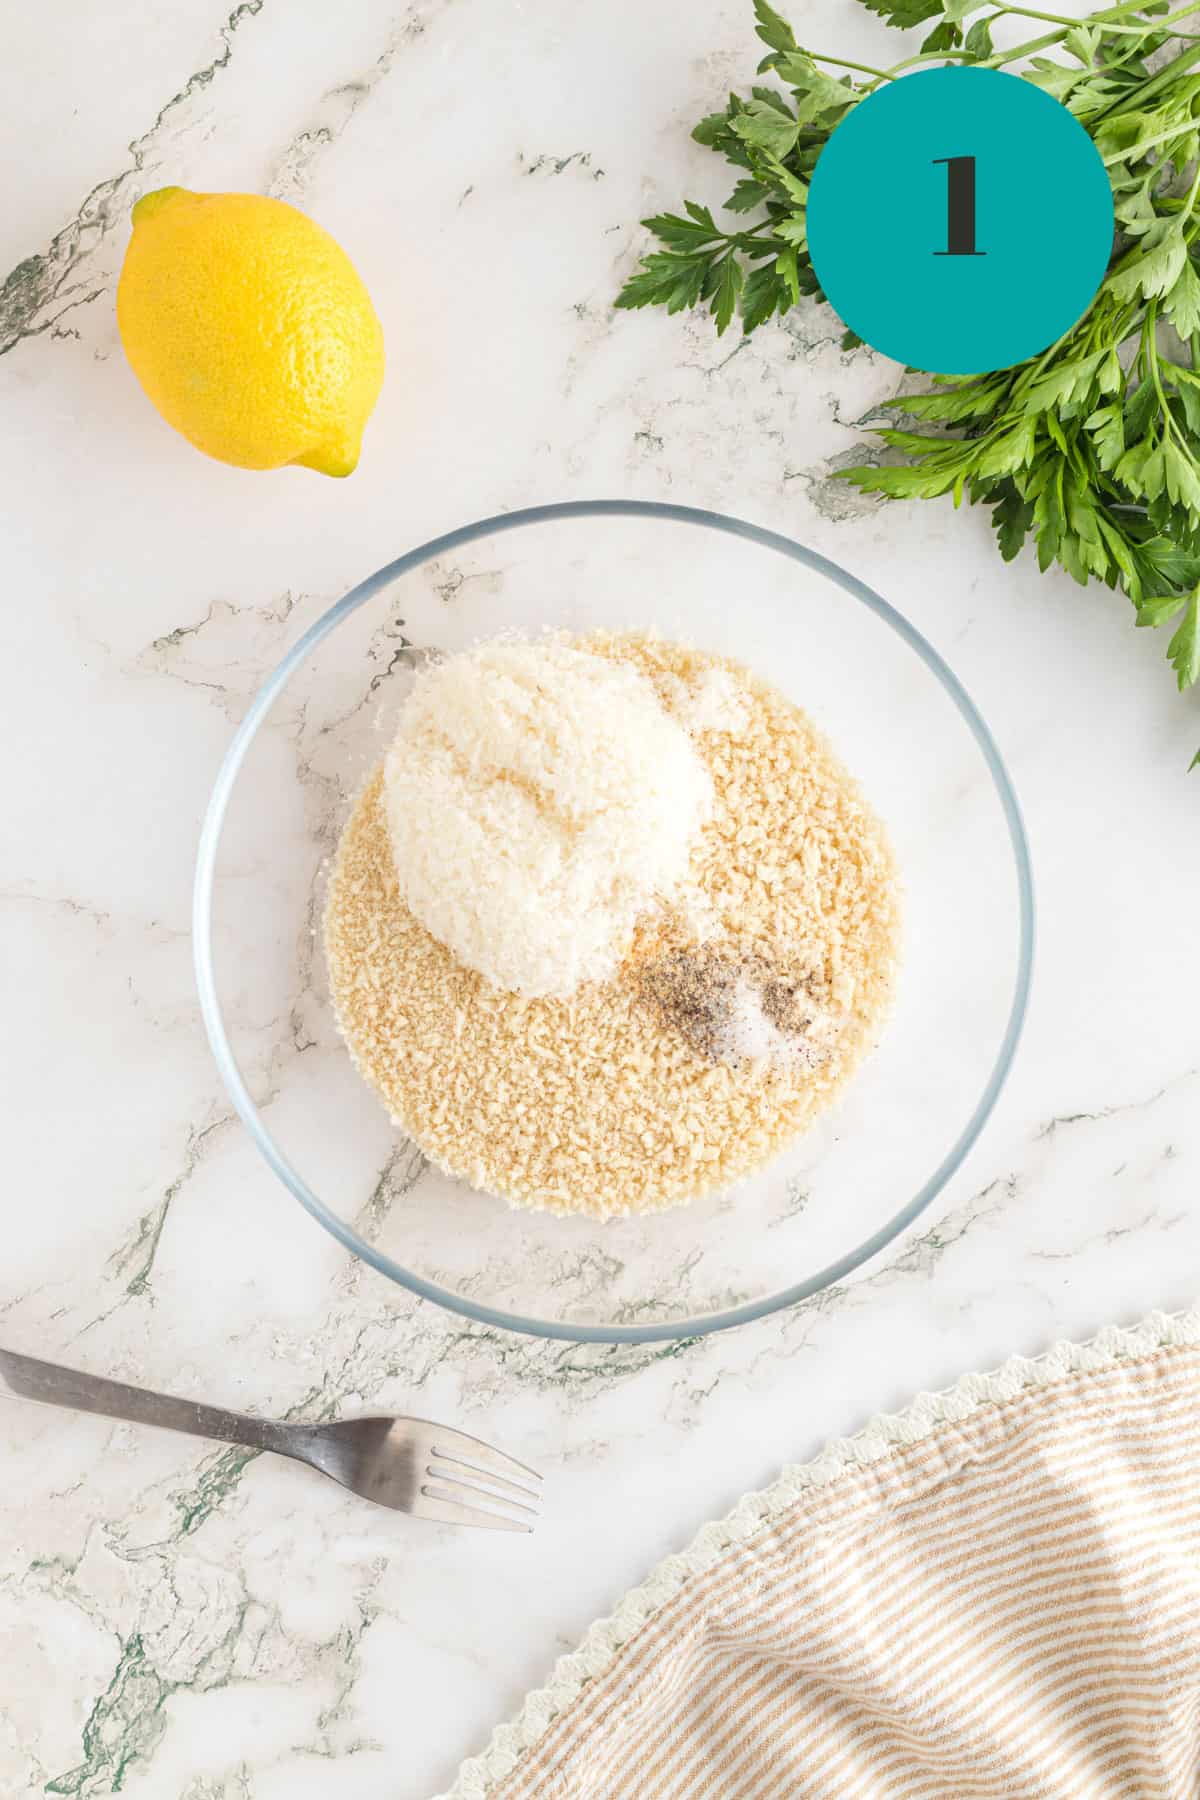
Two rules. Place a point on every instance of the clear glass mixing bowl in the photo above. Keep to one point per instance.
(900, 721)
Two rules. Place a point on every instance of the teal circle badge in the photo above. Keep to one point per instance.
(960, 220)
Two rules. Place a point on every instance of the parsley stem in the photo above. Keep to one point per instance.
(1172, 424)
(1190, 198)
(840, 62)
(1168, 417)
(1107, 21)
(1183, 126)
(924, 56)
(1166, 75)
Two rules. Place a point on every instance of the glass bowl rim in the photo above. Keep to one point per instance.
(203, 949)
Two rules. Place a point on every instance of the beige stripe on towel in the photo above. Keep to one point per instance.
(997, 1595)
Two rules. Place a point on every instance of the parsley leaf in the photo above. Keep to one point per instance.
(1183, 652)
(1012, 518)
(729, 286)
(682, 234)
(763, 294)
(764, 127)
(1158, 609)
(904, 14)
(978, 42)
(747, 196)
(1182, 304)
(774, 31)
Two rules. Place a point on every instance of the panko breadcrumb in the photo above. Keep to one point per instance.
(594, 1104)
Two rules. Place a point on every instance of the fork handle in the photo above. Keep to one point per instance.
(31, 1379)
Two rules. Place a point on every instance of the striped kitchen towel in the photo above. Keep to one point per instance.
(994, 1595)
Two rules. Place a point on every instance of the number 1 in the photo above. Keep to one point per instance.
(960, 206)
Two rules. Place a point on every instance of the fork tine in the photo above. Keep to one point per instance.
(439, 1504)
(453, 1468)
(476, 1454)
(453, 1483)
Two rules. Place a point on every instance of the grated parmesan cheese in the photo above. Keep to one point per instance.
(540, 800)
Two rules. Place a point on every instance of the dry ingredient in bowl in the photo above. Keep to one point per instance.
(737, 1014)
(539, 801)
(735, 1009)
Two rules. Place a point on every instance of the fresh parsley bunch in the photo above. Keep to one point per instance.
(1092, 447)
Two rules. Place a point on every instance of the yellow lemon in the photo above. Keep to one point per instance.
(250, 330)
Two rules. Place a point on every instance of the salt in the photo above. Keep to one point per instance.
(746, 1033)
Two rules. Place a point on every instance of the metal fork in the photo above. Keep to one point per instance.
(411, 1465)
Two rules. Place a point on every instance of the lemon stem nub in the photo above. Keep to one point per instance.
(152, 203)
(333, 459)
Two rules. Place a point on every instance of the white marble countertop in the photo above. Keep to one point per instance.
(176, 1622)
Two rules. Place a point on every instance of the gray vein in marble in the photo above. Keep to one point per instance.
(402, 657)
(1062, 1120)
(922, 1254)
(42, 289)
(708, 370)
(591, 1271)
(796, 1197)
(234, 1786)
(277, 612)
(135, 1260)
(292, 173)
(125, 1726)
(558, 165)
(176, 654)
(813, 327)
(838, 500)
(1151, 1220)
(217, 1480)
(448, 580)
(197, 1629)
(398, 1177)
(344, 1661)
(918, 1257)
